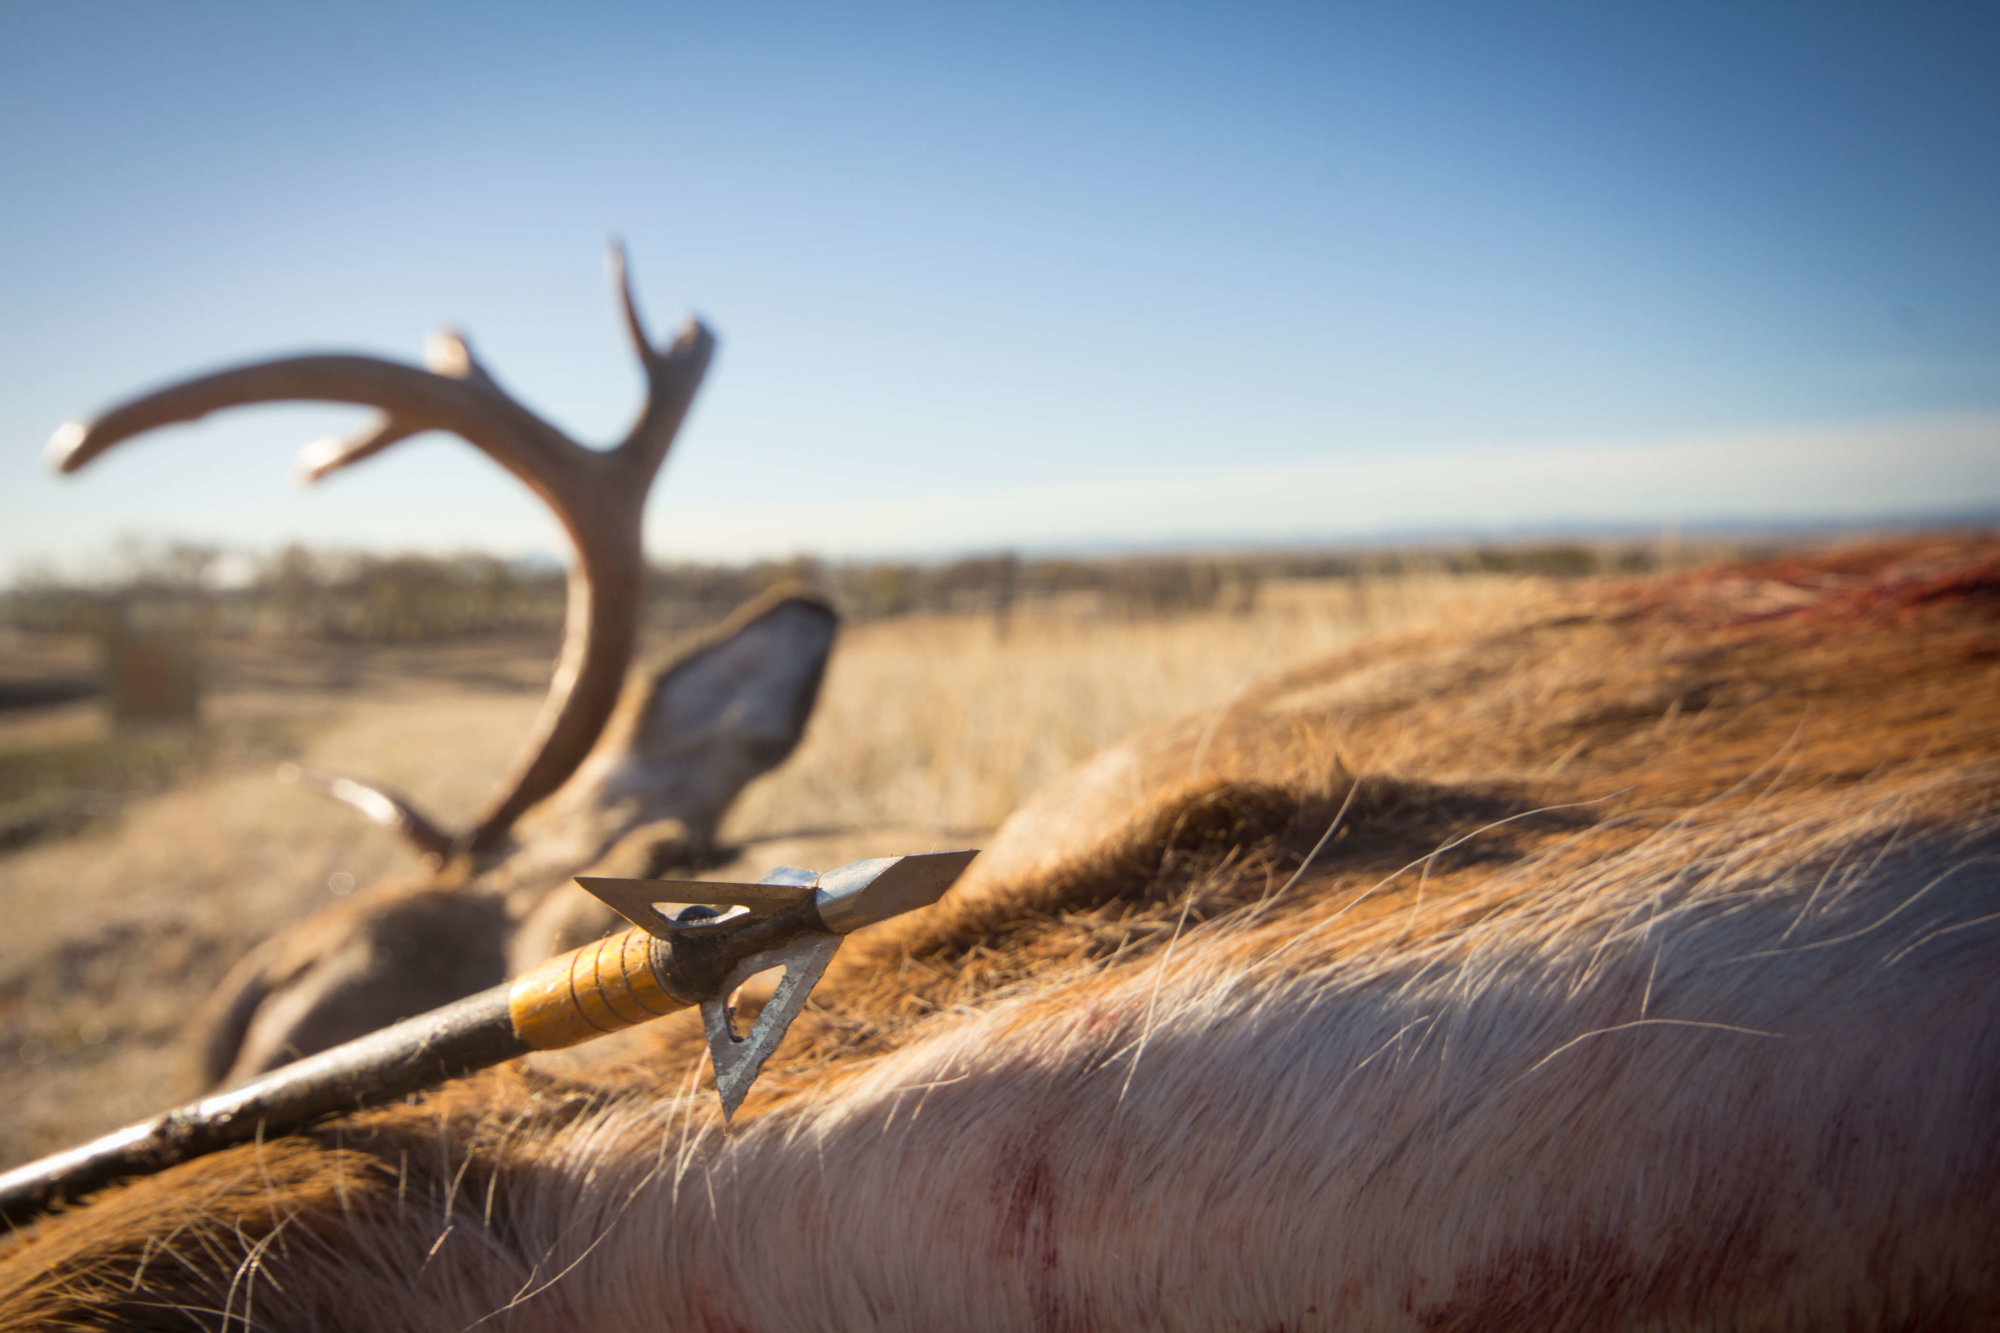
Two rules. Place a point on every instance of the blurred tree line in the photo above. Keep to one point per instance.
(297, 593)
(360, 598)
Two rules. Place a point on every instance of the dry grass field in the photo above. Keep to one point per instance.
(142, 865)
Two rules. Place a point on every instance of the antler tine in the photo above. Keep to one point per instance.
(320, 457)
(598, 497)
(635, 328)
(672, 376)
(380, 805)
(446, 353)
(607, 585)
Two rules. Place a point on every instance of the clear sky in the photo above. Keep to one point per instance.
(1016, 276)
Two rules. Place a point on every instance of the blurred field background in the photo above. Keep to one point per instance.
(139, 861)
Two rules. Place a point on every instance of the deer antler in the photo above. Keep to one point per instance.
(598, 495)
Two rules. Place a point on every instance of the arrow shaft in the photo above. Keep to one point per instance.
(417, 1053)
(617, 982)
(614, 983)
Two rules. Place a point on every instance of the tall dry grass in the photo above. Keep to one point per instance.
(950, 722)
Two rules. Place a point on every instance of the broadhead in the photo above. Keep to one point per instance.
(865, 892)
(845, 900)
(856, 895)
(640, 900)
(738, 1059)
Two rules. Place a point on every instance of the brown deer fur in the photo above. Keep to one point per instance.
(1647, 980)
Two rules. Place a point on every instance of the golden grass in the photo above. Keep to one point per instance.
(950, 722)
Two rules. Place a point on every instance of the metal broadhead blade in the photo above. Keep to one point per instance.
(737, 1059)
(636, 899)
(844, 900)
(865, 892)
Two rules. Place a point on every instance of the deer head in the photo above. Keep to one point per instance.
(622, 780)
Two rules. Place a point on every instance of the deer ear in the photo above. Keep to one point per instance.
(725, 711)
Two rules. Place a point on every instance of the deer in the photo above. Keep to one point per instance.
(617, 778)
(1618, 958)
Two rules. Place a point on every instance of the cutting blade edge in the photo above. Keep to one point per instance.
(635, 899)
(865, 892)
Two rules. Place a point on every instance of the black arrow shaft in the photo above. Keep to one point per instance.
(616, 982)
(417, 1053)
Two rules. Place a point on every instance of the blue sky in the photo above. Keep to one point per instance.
(1016, 276)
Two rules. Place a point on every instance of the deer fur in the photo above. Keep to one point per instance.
(1624, 962)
